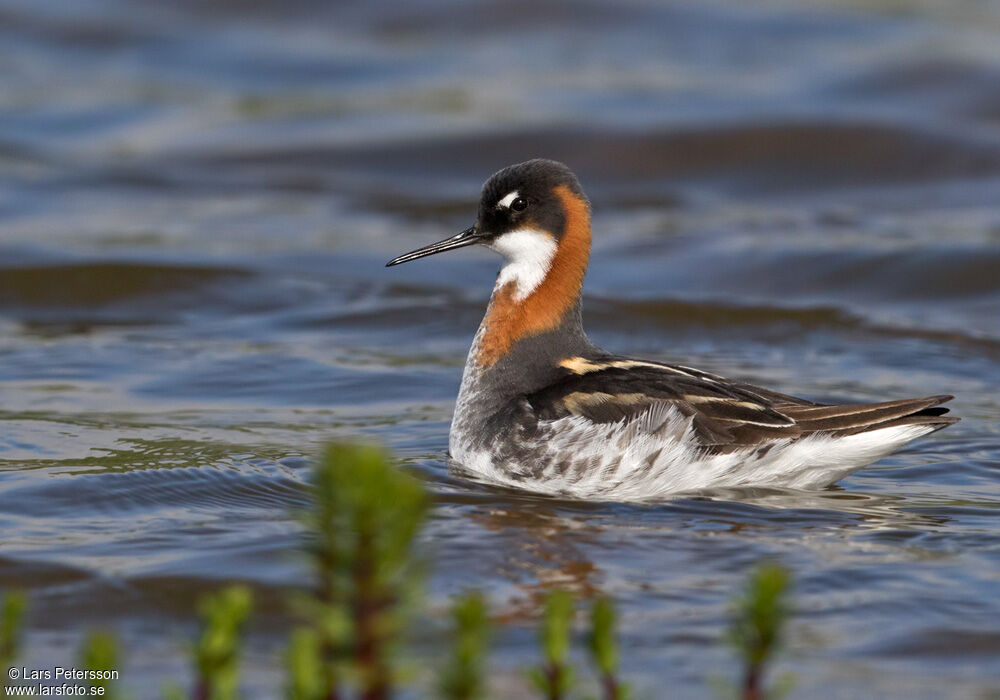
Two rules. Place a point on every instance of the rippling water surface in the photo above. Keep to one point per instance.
(196, 201)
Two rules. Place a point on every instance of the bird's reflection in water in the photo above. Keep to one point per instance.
(543, 543)
(539, 543)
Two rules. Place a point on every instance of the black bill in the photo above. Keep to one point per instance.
(466, 237)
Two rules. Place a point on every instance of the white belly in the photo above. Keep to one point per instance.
(624, 462)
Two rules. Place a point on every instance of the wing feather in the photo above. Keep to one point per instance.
(725, 415)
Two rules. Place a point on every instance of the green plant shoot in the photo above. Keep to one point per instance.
(757, 627)
(604, 648)
(100, 653)
(554, 678)
(361, 530)
(462, 678)
(11, 617)
(217, 651)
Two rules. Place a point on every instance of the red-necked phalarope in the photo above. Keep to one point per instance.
(543, 408)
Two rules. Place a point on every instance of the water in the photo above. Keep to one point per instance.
(196, 201)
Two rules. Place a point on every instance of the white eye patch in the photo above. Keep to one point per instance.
(505, 202)
(529, 255)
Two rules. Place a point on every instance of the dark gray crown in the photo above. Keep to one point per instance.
(535, 176)
(535, 181)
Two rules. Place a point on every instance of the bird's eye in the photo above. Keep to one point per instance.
(519, 204)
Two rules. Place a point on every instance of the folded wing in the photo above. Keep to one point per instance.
(725, 415)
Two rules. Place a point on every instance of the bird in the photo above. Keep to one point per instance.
(542, 408)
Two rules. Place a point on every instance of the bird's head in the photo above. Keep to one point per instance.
(526, 212)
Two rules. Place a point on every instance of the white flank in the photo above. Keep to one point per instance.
(505, 202)
(529, 256)
(655, 455)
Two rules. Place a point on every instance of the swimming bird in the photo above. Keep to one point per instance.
(543, 408)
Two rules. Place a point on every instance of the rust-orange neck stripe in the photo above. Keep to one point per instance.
(509, 320)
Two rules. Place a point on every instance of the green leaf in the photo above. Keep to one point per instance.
(11, 618)
(758, 619)
(305, 666)
(462, 678)
(218, 647)
(554, 678)
(100, 653)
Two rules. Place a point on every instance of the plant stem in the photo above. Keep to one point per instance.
(751, 683)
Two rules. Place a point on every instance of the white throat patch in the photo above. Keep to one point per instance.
(529, 255)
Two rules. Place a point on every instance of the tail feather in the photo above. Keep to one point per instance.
(933, 422)
(850, 419)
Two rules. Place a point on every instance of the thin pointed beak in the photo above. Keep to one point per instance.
(466, 237)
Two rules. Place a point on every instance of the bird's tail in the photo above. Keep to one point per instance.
(851, 419)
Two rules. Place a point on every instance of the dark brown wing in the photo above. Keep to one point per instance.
(725, 414)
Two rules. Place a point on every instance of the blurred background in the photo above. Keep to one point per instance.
(196, 203)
